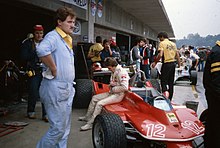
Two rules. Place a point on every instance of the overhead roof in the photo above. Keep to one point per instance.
(150, 12)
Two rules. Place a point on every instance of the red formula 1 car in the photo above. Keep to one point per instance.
(147, 117)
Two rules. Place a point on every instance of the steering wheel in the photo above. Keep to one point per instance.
(162, 103)
(159, 98)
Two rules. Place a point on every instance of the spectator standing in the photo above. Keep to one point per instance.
(202, 58)
(152, 51)
(135, 52)
(182, 51)
(211, 82)
(169, 54)
(34, 69)
(56, 88)
(118, 86)
(115, 51)
(145, 62)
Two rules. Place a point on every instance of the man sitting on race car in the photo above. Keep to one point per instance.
(119, 82)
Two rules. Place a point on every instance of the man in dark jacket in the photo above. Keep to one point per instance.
(211, 82)
(34, 72)
(145, 62)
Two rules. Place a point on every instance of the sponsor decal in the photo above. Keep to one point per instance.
(172, 117)
(93, 7)
(192, 126)
(77, 29)
(99, 7)
(123, 77)
(79, 3)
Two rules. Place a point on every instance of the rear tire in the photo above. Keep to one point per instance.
(109, 131)
(84, 92)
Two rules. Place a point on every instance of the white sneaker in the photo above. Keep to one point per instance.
(86, 127)
(83, 118)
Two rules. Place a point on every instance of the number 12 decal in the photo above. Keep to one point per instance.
(155, 130)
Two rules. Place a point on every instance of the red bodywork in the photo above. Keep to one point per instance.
(176, 128)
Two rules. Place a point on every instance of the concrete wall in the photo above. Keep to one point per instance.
(114, 18)
(104, 33)
(119, 20)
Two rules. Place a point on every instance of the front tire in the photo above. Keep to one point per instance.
(109, 131)
(203, 117)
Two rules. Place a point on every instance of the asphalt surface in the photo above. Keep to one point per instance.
(184, 92)
(30, 134)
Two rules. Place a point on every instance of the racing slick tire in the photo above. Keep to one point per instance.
(109, 131)
(193, 77)
(84, 92)
(156, 84)
(203, 117)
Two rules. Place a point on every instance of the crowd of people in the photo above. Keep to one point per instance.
(102, 49)
(141, 55)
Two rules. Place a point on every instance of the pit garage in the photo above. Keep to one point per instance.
(18, 20)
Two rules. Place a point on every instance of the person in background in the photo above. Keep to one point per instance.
(95, 50)
(118, 86)
(34, 70)
(182, 51)
(191, 49)
(194, 58)
(169, 54)
(115, 51)
(211, 82)
(56, 90)
(152, 51)
(202, 58)
(135, 52)
(145, 62)
(106, 52)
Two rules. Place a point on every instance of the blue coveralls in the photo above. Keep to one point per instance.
(57, 93)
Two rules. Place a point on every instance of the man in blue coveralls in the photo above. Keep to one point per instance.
(56, 90)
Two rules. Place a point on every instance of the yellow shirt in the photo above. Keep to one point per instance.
(95, 49)
(67, 38)
(169, 50)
